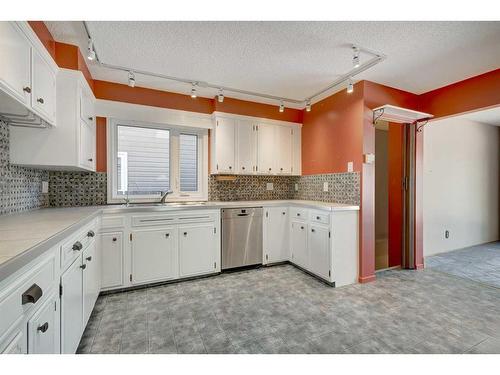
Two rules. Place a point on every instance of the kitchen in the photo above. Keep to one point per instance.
(174, 215)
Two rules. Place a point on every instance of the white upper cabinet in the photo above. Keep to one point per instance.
(283, 136)
(69, 146)
(43, 97)
(296, 151)
(223, 160)
(15, 62)
(246, 146)
(266, 149)
(27, 75)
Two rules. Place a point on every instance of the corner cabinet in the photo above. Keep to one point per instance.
(69, 146)
(243, 145)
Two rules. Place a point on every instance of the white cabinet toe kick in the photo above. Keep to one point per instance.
(45, 306)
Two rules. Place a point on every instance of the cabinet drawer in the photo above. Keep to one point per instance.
(152, 220)
(113, 222)
(196, 217)
(26, 293)
(319, 217)
(298, 213)
(74, 246)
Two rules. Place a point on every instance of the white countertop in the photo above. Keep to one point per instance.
(25, 236)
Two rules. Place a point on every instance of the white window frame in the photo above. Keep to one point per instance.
(175, 131)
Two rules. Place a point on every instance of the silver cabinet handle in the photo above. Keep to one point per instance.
(43, 328)
(89, 258)
(27, 89)
(77, 246)
(40, 100)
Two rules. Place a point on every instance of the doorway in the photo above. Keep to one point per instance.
(381, 195)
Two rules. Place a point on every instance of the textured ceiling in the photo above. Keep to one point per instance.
(290, 59)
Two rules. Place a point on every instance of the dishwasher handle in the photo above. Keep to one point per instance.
(243, 214)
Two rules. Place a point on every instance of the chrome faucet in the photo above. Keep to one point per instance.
(164, 196)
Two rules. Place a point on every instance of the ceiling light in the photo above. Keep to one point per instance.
(131, 79)
(308, 106)
(220, 96)
(193, 91)
(90, 51)
(350, 86)
(355, 57)
(282, 106)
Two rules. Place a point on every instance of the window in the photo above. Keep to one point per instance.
(148, 160)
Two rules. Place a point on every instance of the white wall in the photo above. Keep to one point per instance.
(461, 184)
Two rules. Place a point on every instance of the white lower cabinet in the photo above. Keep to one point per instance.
(298, 241)
(319, 250)
(91, 279)
(154, 255)
(43, 328)
(275, 235)
(198, 252)
(112, 260)
(17, 345)
(72, 307)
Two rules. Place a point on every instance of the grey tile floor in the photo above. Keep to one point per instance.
(283, 310)
(480, 263)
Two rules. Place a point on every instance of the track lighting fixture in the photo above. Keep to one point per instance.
(220, 96)
(282, 107)
(90, 50)
(193, 91)
(350, 86)
(308, 106)
(355, 57)
(131, 79)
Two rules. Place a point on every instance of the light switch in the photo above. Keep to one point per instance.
(45, 187)
(350, 166)
(325, 186)
(296, 187)
(269, 186)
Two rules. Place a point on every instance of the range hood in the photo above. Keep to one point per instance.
(16, 114)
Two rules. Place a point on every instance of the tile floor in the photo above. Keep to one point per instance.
(480, 263)
(283, 310)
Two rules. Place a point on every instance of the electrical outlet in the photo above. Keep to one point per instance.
(350, 166)
(325, 186)
(446, 234)
(296, 187)
(45, 187)
(269, 186)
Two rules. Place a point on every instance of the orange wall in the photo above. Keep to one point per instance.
(45, 36)
(243, 107)
(332, 134)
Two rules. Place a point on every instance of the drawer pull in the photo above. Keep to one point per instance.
(77, 246)
(298, 214)
(89, 258)
(32, 295)
(83, 266)
(283, 213)
(43, 328)
(302, 228)
(27, 89)
(40, 100)
(91, 118)
(90, 233)
(318, 218)
(114, 239)
(167, 235)
(185, 233)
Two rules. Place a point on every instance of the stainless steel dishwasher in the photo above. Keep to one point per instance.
(241, 237)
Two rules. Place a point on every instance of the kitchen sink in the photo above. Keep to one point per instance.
(167, 204)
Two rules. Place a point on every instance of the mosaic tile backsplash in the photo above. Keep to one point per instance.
(20, 188)
(77, 189)
(342, 188)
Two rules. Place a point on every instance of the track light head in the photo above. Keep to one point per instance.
(193, 91)
(350, 86)
(220, 96)
(90, 51)
(308, 106)
(355, 57)
(282, 107)
(131, 79)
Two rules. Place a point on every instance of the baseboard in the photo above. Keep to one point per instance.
(367, 279)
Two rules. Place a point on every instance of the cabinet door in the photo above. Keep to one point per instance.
(111, 260)
(225, 145)
(275, 234)
(43, 329)
(283, 149)
(319, 251)
(86, 107)
(246, 147)
(298, 244)
(72, 307)
(296, 151)
(87, 146)
(91, 280)
(154, 255)
(18, 345)
(266, 149)
(197, 249)
(15, 62)
(43, 98)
